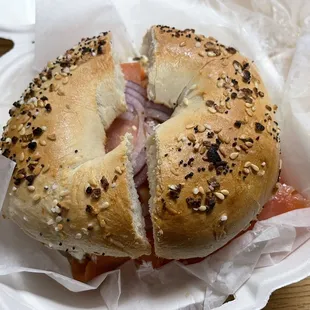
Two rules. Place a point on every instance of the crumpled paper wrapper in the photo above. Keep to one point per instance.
(264, 31)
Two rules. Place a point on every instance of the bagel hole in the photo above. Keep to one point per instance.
(140, 120)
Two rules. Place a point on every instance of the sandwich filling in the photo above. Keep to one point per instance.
(140, 120)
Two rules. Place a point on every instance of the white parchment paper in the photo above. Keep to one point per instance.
(267, 31)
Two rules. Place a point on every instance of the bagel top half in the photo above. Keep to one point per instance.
(66, 191)
(214, 164)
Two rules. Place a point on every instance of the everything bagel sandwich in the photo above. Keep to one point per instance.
(178, 149)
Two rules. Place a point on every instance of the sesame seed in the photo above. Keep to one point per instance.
(263, 164)
(182, 44)
(190, 126)
(105, 205)
(201, 190)
(134, 128)
(201, 128)
(246, 170)
(249, 112)
(195, 190)
(191, 137)
(59, 227)
(201, 54)
(84, 230)
(172, 187)
(211, 54)
(36, 197)
(31, 188)
(196, 146)
(249, 105)
(185, 101)
(57, 76)
(44, 128)
(222, 150)
(36, 156)
(22, 131)
(223, 218)
(254, 167)
(280, 164)
(14, 189)
(203, 149)
(57, 209)
(220, 83)
(219, 195)
(247, 164)
(65, 80)
(234, 155)
(50, 222)
(261, 173)
(118, 170)
(58, 219)
(211, 110)
(238, 148)
(144, 59)
(248, 144)
(217, 130)
(42, 142)
(51, 137)
(21, 156)
(197, 44)
(46, 187)
(194, 86)
(208, 126)
(202, 208)
(225, 192)
(78, 236)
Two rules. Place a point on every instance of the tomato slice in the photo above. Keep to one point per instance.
(133, 72)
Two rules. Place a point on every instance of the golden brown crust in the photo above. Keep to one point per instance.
(56, 136)
(218, 157)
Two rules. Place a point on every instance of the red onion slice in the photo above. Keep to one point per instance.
(135, 94)
(157, 115)
(139, 93)
(139, 161)
(127, 116)
(159, 107)
(136, 104)
(136, 87)
(141, 177)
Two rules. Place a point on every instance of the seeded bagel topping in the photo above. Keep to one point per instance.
(219, 157)
(210, 164)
